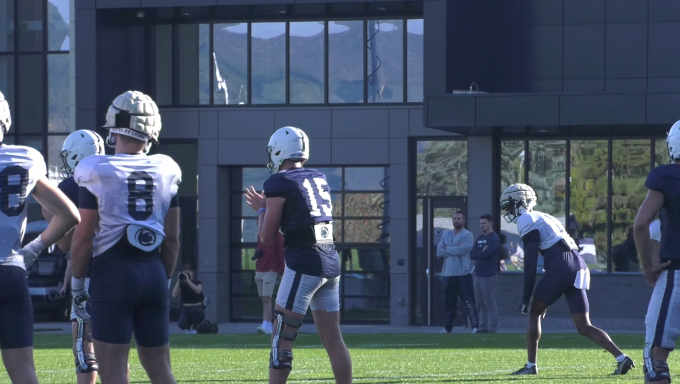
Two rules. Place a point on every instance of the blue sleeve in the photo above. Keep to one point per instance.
(531, 249)
(655, 180)
(86, 199)
(276, 186)
(70, 189)
(174, 203)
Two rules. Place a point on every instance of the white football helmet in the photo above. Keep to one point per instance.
(673, 142)
(287, 143)
(516, 200)
(136, 115)
(77, 146)
(5, 117)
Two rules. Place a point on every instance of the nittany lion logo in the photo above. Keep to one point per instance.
(145, 237)
(324, 232)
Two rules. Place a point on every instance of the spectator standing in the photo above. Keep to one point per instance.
(454, 247)
(269, 265)
(486, 254)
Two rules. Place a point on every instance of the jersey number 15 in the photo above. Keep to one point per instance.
(318, 197)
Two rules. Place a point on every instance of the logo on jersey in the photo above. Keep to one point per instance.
(324, 232)
(145, 237)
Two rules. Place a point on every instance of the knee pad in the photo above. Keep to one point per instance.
(283, 359)
(85, 362)
(90, 365)
(655, 370)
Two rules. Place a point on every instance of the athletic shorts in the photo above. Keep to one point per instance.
(265, 283)
(298, 291)
(554, 284)
(129, 294)
(662, 322)
(16, 309)
(87, 308)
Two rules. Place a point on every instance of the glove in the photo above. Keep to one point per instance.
(80, 297)
(31, 251)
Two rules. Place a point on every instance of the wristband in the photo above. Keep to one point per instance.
(77, 284)
(36, 246)
(261, 210)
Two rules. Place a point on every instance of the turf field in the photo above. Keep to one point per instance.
(378, 358)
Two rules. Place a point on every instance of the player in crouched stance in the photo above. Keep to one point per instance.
(566, 274)
(663, 313)
(130, 227)
(298, 200)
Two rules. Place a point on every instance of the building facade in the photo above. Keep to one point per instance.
(414, 109)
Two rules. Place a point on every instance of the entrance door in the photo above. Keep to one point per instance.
(437, 218)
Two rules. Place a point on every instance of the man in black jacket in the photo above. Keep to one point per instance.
(486, 255)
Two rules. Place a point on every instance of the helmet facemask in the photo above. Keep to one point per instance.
(512, 209)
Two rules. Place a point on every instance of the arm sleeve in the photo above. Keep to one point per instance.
(276, 186)
(654, 180)
(467, 242)
(86, 200)
(441, 253)
(492, 245)
(531, 249)
(174, 203)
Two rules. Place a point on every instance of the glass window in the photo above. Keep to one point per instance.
(333, 178)
(367, 259)
(661, 155)
(245, 262)
(7, 26)
(346, 61)
(268, 65)
(630, 166)
(53, 160)
(230, 81)
(367, 231)
(367, 179)
(58, 97)
(385, 77)
(31, 95)
(193, 62)
(414, 60)
(7, 81)
(35, 142)
(245, 230)
(58, 19)
(366, 205)
(366, 284)
(253, 177)
(204, 64)
(512, 172)
(30, 25)
(588, 200)
(547, 176)
(442, 168)
(307, 54)
(163, 56)
(365, 309)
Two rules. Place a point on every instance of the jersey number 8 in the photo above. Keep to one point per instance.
(13, 190)
(140, 190)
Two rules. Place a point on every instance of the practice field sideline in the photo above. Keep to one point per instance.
(378, 358)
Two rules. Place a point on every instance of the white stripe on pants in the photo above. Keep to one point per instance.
(663, 314)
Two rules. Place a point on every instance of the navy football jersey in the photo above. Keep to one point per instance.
(666, 179)
(70, 189)
(308, 202)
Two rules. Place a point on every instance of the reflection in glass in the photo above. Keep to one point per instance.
(367, 179)
(547, 176)
(661, 155)
(30, 25)
(194, 65)
(58, 19)
(367, 259)
(512, 172)
(31, 94)
(367, 231)
(253, 177)
(7, 81)
(54, 163)
(35, 142)
(346, 61)
(245, 230)
(588, 199)
(385, 77)
(442, 168)
(230, 42)
(366, 309)
(58, 86)
(336, 200)
(630, 166)
(338, 230)
(245, 262)
(414, 60)
(163, 57)
(7, 26)
(307, 62)
(268, 65)
(366, 205)
(333, 178)
(204, 64)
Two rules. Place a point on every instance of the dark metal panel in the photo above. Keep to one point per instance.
(666, 84)
(584, 51)
(180, 124)
(626, 51)
(434, 55)
(542, 86)
(664, 55)
(86, 84)
(584, 12)
(542, 52)
(664, 10)
(118, 3)
(517, 110)
(583, 86)
(602, 109)
(450, 111)
(626, 11)
(360, 123)
(176, 3)
(663, 108)
(542, 12)
(84, 4)
(625, 85)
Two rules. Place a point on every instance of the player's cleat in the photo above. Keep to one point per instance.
(624, 366)
(192, 332)
(474, 330)
(443, 330)
(264, 330)
(526, 370)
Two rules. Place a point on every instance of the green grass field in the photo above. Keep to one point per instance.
(377, 358)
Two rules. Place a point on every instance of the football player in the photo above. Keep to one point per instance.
(566, 274)
(129, 206)
(22, 174)
(77, 146)
(663, 313)
(298, 200)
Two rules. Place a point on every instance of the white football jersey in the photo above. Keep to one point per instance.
(130, 189)
(549, 228)
(20, 169)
